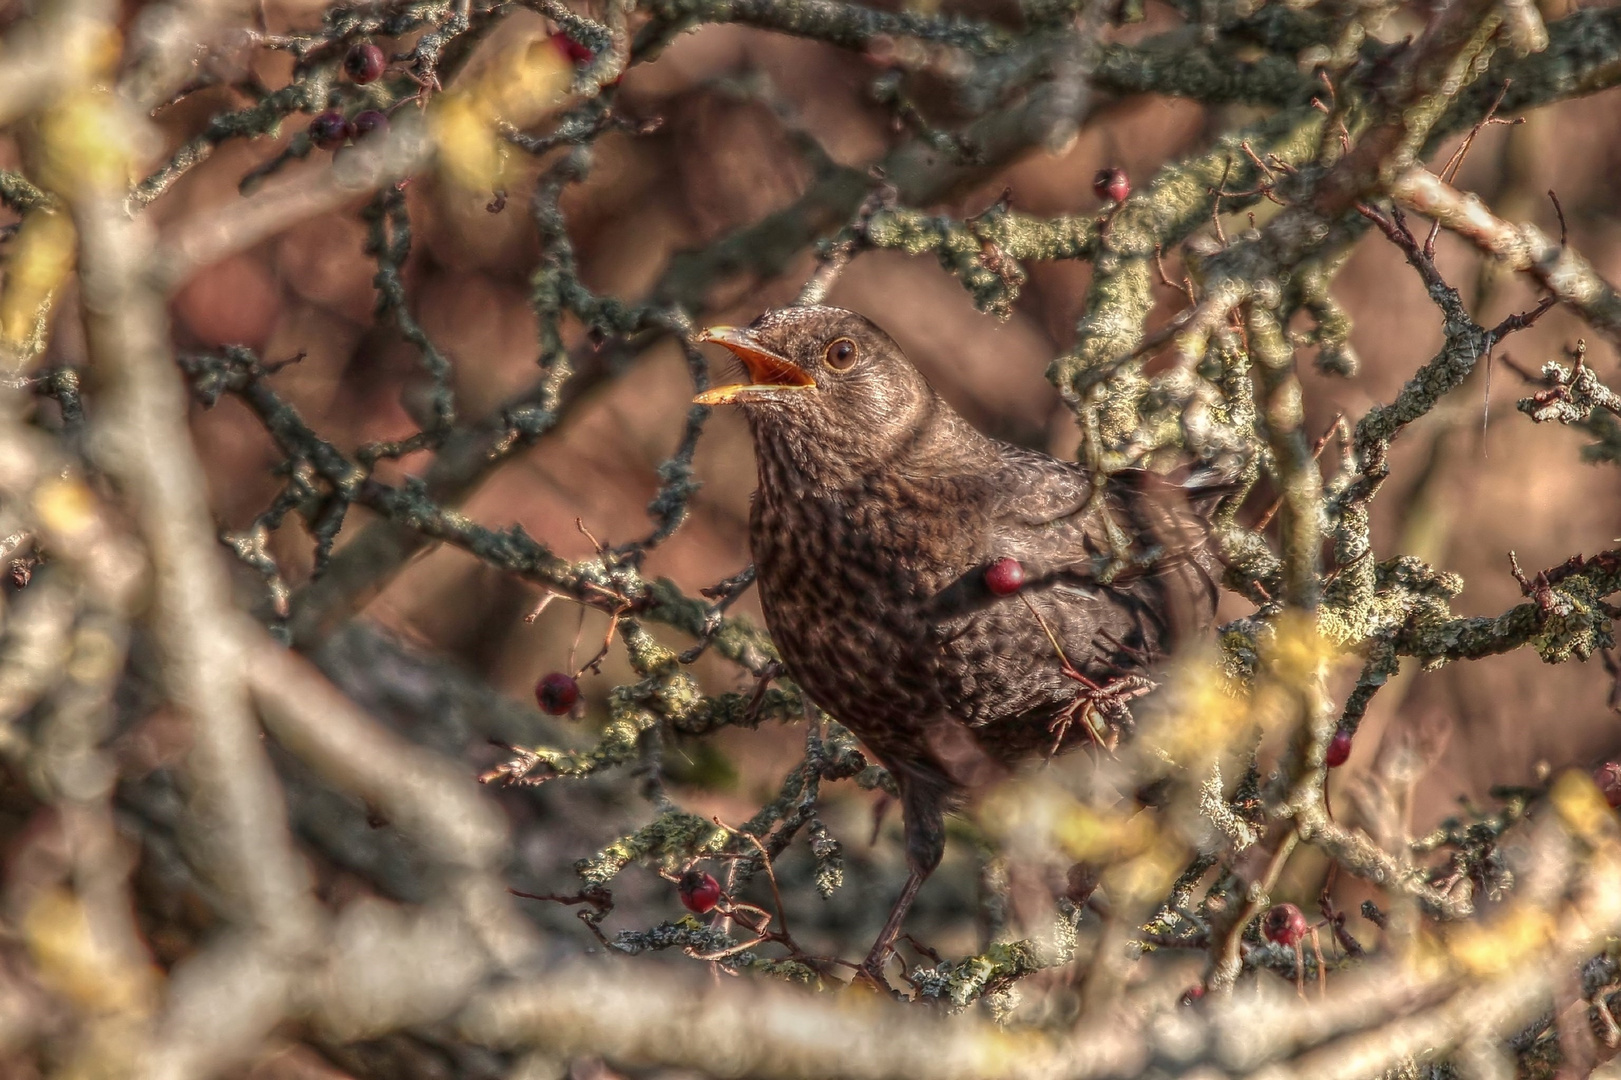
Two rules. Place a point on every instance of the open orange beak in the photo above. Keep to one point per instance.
(769, 374)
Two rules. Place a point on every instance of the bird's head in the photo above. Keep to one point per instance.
(826, 375)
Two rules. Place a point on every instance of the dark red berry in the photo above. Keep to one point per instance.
(1339, 749)
(571, 49)
(1608, 778)
(365, 62)
(1283, 924)
(1192, 994)
(557, 693)
(329, 129)
(700, 892)
(1083, 881)
(1111, 185)
(1004, 577)
(367, 122)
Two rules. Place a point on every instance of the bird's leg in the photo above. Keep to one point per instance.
(1108, 699)
(873, 965)
(1080, 706)
(1058, 727)
(924, 803)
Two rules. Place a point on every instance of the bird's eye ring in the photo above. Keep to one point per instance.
(841, 354)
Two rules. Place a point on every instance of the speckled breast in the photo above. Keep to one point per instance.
(841, 598)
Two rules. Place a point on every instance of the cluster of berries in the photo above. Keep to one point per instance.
(329, 130)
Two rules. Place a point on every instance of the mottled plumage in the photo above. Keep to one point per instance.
(878, 511)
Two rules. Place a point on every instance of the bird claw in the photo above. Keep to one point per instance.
(1101, 708)
(1110, 700)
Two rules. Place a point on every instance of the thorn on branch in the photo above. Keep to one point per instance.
(1536, 589)
(728, 590)
(1523, 320)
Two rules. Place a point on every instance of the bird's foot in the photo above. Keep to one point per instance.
(1100, 708)
(1111, 699)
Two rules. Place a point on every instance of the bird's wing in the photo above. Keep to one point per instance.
(1130, 559)
(1050, 515)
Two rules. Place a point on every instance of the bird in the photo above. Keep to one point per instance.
(960, 603)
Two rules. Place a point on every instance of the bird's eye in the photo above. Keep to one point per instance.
(841, 354)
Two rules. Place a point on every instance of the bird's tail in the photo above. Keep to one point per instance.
(1170, 513)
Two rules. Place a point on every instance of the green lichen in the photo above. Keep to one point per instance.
(672, 838)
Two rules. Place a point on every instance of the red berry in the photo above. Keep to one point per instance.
(571, 49)
(700, 892)
(1608, 778)
(329, 129)
(1083, 881)
(1283, 924)
(1111, 185)
(557, 693)
(365, 62)
(1004, 577)
(1194, 993)
(1339, 749)
(367, 122)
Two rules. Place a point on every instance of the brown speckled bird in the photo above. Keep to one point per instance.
(880, 511)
